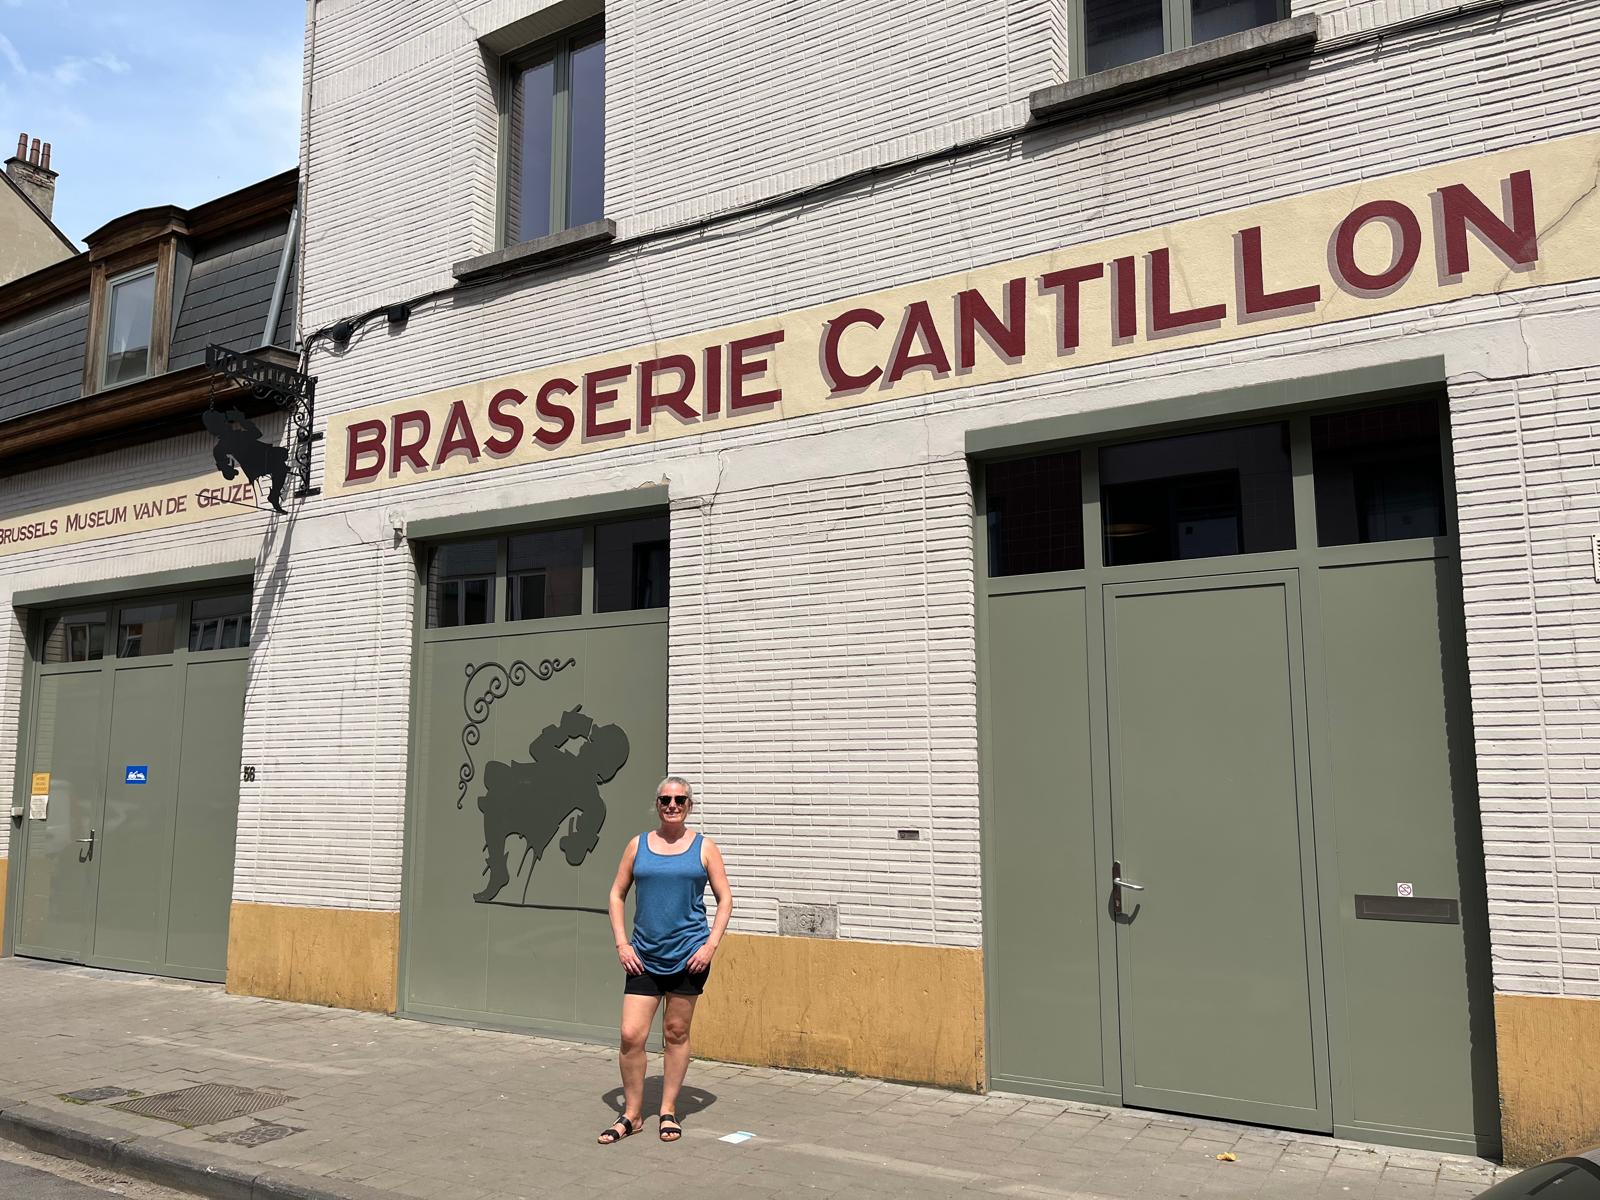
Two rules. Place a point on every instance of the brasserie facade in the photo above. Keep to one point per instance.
(1102, 506)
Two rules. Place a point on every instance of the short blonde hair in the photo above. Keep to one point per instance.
(688, 790)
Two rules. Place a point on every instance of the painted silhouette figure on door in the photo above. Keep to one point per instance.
(532, 799)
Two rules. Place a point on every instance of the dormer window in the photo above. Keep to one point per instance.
(130, 317)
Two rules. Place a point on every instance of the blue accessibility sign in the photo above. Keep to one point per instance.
(136, 775)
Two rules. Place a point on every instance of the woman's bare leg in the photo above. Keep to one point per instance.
(675, 1044)
(637, 1013)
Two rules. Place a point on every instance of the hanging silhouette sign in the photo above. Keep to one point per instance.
(240, 445)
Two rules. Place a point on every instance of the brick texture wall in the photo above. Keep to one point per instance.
(821, 625)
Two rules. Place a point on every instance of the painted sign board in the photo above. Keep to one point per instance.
(41, 782)
(158, 507)
(1513, 219)
(136, 774)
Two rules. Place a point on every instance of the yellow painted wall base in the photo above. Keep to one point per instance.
(344, 957)
(1549, 1050)
(910, 1013)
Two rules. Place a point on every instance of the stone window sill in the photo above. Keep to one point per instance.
(523, 256)
(1178, 68)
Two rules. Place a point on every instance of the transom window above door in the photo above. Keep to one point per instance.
(1112, 33)
(554, 141)
(568, 571)
(1377, 475)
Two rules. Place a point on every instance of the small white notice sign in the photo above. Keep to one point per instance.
(1403, 889)
(38, 806)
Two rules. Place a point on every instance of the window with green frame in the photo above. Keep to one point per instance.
(1112, 33)
(553, 145)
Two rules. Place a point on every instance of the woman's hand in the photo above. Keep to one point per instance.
(630, 960)
(700, 960)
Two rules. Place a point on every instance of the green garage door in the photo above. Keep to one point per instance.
(540, 735)
(1227, 668)
(133, 747)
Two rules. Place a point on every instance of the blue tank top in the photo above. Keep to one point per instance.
(669, 911)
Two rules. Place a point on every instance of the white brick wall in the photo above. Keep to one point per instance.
(823, 518)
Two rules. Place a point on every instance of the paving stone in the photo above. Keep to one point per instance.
(427, 1110)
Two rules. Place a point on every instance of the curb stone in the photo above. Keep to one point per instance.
(164, 1163)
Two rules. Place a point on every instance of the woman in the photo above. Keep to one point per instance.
(670, 952)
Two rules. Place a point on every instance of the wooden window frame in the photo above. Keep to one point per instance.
(112, 270)
(558, 46)
(1177, 30)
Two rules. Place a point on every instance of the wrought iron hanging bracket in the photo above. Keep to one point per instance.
(287, 390)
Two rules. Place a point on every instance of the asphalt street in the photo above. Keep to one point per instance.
(28, 1176)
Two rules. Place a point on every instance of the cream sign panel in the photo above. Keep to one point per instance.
(159, 507)
(1504, 221)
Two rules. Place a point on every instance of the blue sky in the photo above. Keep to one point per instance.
(151, 102)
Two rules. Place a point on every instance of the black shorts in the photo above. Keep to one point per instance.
(679, 983)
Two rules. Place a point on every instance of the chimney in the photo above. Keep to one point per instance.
(30, 170)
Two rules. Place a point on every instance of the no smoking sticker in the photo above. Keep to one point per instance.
(1403, 889)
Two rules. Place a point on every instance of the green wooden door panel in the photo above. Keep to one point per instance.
(207, 818)
(1220, 984)
(1045, 900)
(59, 880)
(505, 896)
(136, 840)
(1420, 1053)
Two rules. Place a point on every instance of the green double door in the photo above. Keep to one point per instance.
(1276, 763)
(127, 849)
(536, 758)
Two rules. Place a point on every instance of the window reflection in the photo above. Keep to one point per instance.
(461, 584)
(631, 563)
(544, 574)
(1034, 513)
(220, 623)
(1199, 495)
(1116, 32)
(147, 629)
(75, 637)
(1379, 474)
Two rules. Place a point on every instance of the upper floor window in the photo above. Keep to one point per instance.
(130, 315)
(1112, 33)
(555, 135)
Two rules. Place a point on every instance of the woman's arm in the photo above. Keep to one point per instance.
(717, 875)
(618, 909)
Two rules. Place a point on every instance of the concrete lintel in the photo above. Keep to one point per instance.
(1251, 399)
(1163, 72)
(525, 255)
(567, 509)
(155, 581)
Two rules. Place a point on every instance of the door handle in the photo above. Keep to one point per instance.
(1117, 884)
(82, 857)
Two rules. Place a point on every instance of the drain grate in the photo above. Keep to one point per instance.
(204, 1104)
(90, 1095)
(258, 1134)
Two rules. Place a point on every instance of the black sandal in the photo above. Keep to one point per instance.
(676, 1130)
(610, 1136)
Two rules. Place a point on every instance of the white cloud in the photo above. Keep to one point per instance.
(111, 63)
(9, 53)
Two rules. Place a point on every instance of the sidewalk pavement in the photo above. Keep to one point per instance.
(378, 1106)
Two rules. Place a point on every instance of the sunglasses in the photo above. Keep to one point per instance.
(673, 801)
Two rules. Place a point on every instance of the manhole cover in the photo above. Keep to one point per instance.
(204, 1104)
(90, 1095)
(258, 1134)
